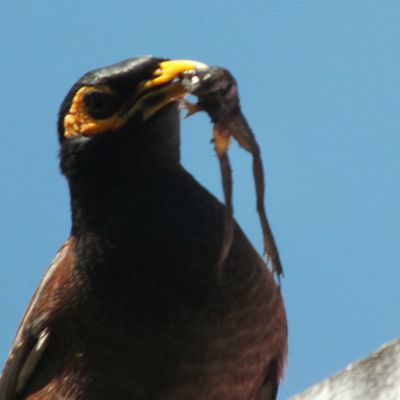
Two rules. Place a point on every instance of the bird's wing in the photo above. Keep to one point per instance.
(34, 331)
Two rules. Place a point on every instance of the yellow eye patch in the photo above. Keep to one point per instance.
(79, 121)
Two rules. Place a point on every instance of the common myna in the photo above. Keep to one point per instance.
(138, 303)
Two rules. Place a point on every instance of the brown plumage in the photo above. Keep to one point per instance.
(136, 304)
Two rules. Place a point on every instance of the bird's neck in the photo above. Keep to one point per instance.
(132, 235)
(110, 173)
(109, 202)
(116, 224)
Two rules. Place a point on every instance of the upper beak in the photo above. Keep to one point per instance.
(160, 90)
(169, 70)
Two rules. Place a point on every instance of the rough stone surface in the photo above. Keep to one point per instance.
(376, 377)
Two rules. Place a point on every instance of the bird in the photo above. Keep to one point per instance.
(137, 303)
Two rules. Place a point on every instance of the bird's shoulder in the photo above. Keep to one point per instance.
(49, 302)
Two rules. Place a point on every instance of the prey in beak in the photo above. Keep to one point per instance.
(217, 94)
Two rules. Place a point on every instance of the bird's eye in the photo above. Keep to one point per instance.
(102, 105)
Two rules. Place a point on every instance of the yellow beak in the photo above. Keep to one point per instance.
(169, 70)
(150, 98)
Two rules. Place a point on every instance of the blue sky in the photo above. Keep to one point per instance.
(320, 85)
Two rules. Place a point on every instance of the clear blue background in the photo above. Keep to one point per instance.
(320, 85)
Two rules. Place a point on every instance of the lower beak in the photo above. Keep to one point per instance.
(164, 88)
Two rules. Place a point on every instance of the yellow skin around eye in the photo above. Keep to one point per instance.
(78, 120)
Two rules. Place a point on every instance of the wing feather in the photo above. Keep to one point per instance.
(35, 329)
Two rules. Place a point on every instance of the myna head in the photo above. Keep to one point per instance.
(124, 114)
